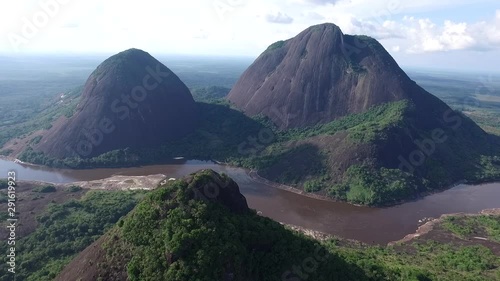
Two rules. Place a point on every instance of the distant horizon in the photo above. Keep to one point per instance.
(101, 56)
(459, 35)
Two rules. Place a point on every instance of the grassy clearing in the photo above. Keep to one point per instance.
(425, 260)
(465, 227)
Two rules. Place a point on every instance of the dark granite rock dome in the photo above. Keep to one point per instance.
(320, 75)
(130, 100)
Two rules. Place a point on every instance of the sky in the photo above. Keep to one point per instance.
(441, 34)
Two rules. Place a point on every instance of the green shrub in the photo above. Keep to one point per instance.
(4, 198)
(313, 186)
(4, 184)
(6, 152)
(276, 45)
(468, 259)
(468, 226)
(371, 186)
(45, 189)
(74, 188)
(35, 140)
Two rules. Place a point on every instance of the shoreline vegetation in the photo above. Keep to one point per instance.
(132, 183)
(369, 154)
(254, 175)
(421, 231)
(436, 253)
(429, 226)
(329, 148)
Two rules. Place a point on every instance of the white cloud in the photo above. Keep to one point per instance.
(386, 30)
(322, 2)
(313, 16)
(279, 17)
(240, 27)
(488, 32)
(422, 35)
(426, 36)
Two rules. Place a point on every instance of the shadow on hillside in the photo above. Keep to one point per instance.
(221, 133)
(296, 165)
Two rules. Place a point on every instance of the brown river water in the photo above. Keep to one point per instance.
(370, 225)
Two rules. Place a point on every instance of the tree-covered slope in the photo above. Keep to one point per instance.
(63, 230)
(390, 153)
(356, 127)
(387, 154)
(349, 125)
(200, 228)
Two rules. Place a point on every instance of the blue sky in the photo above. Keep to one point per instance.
(445, 34)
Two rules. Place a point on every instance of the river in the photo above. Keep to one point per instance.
(370, 225)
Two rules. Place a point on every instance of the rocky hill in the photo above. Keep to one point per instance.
(352, 125)
(321, 75)
(131, 100)
(200, 228)
(333, 115)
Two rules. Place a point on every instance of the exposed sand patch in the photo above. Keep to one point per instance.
(429, 226)
(488, 98)
(122, 183)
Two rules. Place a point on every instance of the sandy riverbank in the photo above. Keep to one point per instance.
(255, 176)
(112, 183)
(429, 226)
(122, 183)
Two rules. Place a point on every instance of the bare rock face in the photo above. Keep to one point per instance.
(318, 76)
(207, 185)
(131, 100)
